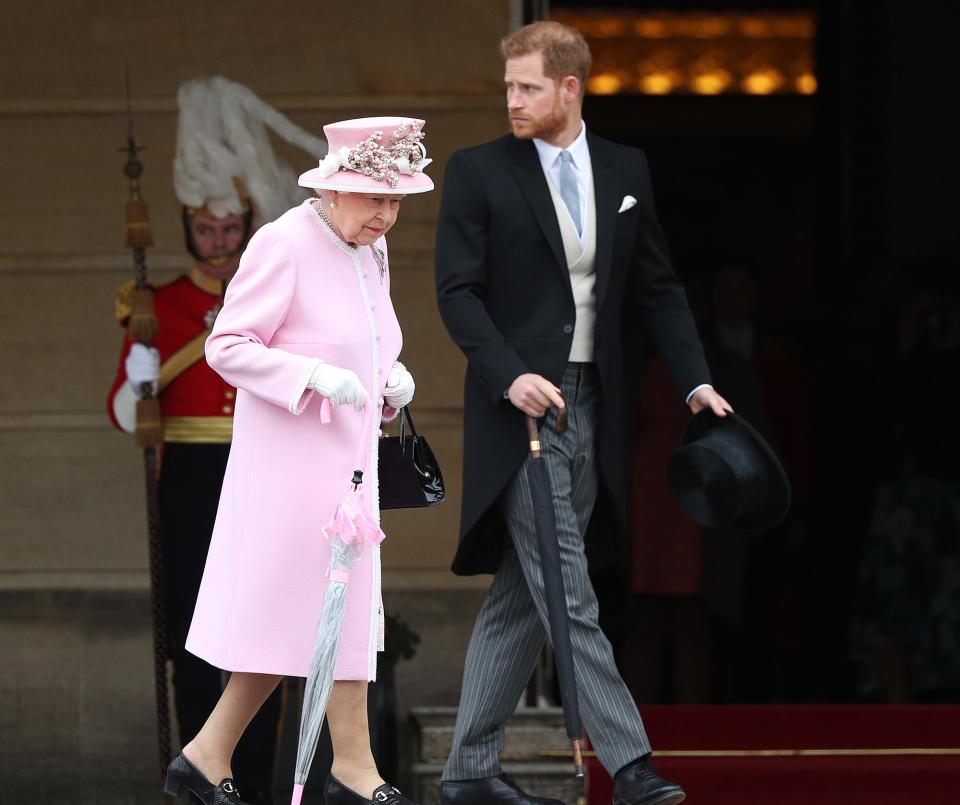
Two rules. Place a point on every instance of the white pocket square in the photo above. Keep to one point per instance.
(627, 203)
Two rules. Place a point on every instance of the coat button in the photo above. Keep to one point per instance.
(230, 394)
(227, 409)
(567, 329)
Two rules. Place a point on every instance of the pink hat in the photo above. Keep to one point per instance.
(373, 155)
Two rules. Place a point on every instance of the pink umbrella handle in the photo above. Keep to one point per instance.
(363, 449)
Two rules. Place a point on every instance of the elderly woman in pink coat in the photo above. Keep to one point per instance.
(307, 319)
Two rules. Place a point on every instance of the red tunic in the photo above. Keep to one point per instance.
(182, 309)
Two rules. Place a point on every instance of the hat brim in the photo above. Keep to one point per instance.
(776, 497)
(353, 182)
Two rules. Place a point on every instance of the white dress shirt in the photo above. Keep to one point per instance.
(582, 168)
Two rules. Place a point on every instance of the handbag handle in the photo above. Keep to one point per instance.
(405, 417)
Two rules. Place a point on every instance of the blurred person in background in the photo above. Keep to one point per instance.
(905, 635)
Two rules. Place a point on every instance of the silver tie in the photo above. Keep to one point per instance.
(568, 188)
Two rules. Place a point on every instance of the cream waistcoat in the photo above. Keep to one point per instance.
(581, 262)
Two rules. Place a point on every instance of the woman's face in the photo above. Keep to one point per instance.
(361, 217)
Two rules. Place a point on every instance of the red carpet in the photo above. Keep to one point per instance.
(823, 772)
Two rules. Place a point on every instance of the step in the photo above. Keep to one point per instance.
(554, 780)
(802, 754)
(532, 736)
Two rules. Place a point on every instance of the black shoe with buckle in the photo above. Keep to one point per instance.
(336, 793)
(183, 776)
(638, 784)
(488, 790)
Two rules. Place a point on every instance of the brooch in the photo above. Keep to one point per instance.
(381, 259)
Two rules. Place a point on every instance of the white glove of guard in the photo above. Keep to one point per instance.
(142, 366)
(400, 387)
(340, 386)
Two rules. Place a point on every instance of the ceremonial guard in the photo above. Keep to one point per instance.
(224, 200)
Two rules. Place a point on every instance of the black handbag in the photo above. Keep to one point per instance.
(408, 471)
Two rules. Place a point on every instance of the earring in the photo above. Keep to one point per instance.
(333, 204)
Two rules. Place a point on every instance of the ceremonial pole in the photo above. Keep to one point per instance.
(142, 328)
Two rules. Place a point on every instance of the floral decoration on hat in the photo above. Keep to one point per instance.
(384, 162)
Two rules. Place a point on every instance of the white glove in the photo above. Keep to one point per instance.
(142, 366)
(340, 386)
(400, 387)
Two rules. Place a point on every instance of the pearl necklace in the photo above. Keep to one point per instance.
(323, 217)
(378, 255)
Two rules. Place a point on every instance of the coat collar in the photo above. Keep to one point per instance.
(205, 282)
(525, 164)
(605, 190)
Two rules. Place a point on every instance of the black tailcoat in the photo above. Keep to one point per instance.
(505, 296)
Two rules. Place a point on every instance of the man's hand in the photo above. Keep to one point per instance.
(708, 398)
(534, 394)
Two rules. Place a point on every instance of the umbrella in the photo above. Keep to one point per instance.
(556, 598)
(349, 530)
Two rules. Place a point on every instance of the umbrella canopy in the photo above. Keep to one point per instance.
(555, 595)
(350, 529)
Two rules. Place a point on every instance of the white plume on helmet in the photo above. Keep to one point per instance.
(222, 136)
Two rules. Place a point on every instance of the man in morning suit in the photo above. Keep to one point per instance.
(547, 243)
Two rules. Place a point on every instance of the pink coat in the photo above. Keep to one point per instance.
(300, 295)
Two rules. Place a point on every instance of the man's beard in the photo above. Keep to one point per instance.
(543, 128)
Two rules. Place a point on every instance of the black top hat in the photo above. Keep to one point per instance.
(725, 475)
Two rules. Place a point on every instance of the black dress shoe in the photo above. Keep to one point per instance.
(638, 784)
(488, 789)
(183, 776)
(336, 793)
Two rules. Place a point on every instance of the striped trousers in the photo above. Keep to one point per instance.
(512, 625)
